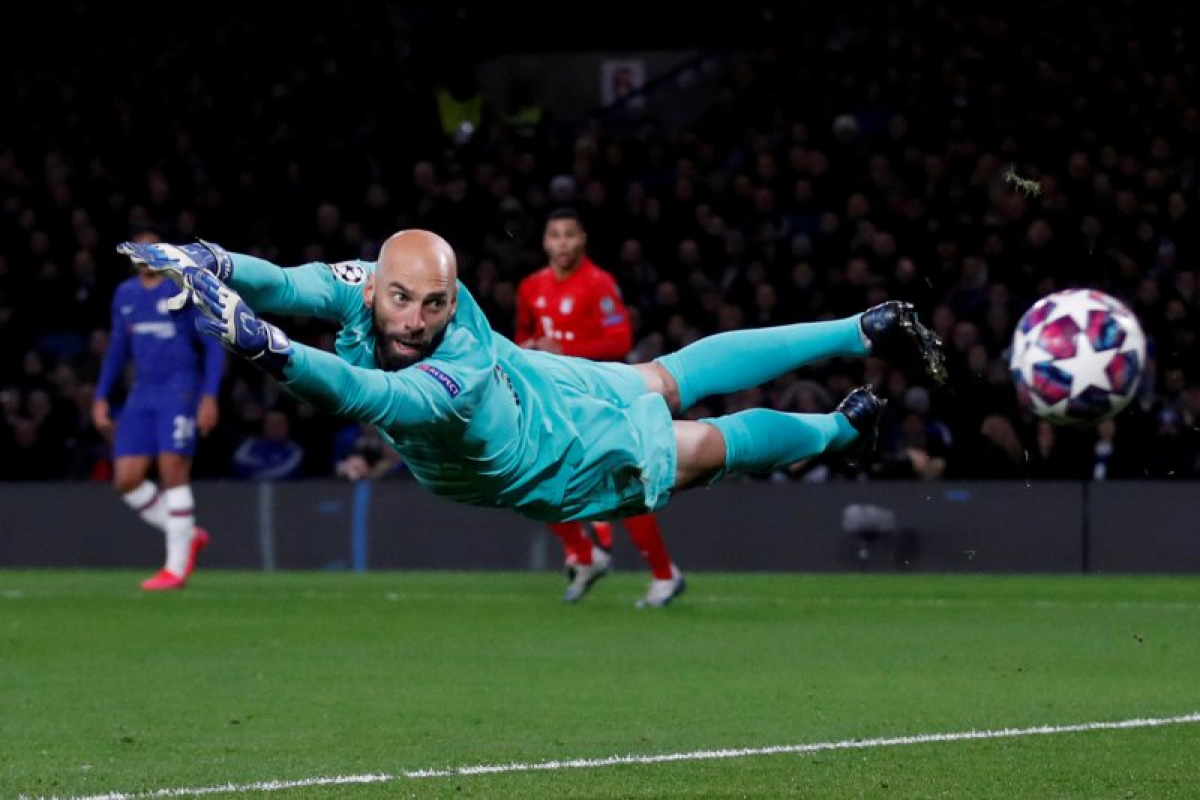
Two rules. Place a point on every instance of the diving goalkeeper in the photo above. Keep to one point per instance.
(484, 422)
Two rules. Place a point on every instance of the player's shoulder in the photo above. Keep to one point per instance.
(454, 377)
(597, 274)
(352, 272)
(128, 290)
(467, 351)
(129, 285)
(454, 380)
(537, 277)
(602, 282)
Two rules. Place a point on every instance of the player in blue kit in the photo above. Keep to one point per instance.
(172, 398)
(482, 421)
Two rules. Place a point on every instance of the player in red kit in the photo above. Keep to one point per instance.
(574, 307)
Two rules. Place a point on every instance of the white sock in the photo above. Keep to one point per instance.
(149, 504)
(181, 527)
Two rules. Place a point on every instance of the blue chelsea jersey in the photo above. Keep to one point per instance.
(169, 355)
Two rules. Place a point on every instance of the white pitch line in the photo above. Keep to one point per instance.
(611, 761)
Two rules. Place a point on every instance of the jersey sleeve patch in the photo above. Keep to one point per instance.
(349, 272)
(612, 314)
(448, 383)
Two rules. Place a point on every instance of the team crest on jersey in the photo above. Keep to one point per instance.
(350, 272)
(565, 306)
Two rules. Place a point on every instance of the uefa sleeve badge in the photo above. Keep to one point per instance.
(350, 272)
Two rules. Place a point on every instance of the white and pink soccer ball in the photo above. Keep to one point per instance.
(1077, 357)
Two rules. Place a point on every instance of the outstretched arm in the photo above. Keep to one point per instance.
(388, 400)
(326, 291)
(384, 399)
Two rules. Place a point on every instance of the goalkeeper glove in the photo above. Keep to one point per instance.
(227, 318)
(173, 259)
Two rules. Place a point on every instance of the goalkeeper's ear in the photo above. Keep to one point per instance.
(369, 290)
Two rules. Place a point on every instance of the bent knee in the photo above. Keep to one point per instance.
(174, 469)
(660, 381)
(129, 472)
(700, 453)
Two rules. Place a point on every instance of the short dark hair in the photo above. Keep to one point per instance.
(565, 212)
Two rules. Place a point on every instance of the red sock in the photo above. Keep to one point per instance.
(603, 531)
(647, 537)
(576, 544)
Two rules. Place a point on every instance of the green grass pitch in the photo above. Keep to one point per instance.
(401, 684)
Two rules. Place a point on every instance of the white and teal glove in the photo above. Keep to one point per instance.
(172, 260)
(226, 317)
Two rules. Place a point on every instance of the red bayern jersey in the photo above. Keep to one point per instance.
(583, 312)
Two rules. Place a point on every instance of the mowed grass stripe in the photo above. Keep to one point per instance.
(248, 676)
(701, 755)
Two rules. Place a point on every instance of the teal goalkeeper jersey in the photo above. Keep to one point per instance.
(481, 421)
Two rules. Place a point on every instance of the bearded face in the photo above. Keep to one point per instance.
(408, 322)
(413, 295)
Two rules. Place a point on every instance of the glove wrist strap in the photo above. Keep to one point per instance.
(222, 262)
(275, 357)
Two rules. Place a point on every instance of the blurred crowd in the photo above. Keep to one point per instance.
(848, 157)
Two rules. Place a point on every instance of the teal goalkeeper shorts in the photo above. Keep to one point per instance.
(627, 436)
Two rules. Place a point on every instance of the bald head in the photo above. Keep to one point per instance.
(419, 252)
(413, 296)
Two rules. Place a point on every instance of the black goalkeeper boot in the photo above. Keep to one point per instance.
(864, 411)
(898, 338)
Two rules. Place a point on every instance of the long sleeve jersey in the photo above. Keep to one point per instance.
(480, 421)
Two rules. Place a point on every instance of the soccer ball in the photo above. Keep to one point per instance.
(1077, 357)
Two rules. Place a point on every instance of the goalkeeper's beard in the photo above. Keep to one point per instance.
(390, 359)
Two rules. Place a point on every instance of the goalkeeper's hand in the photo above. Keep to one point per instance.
(227, 318)
(173, 259)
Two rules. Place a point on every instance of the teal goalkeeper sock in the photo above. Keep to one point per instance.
(760, 440)
(730, 362)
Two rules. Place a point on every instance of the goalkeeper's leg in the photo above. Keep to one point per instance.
(737, 360)
(760, 441)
